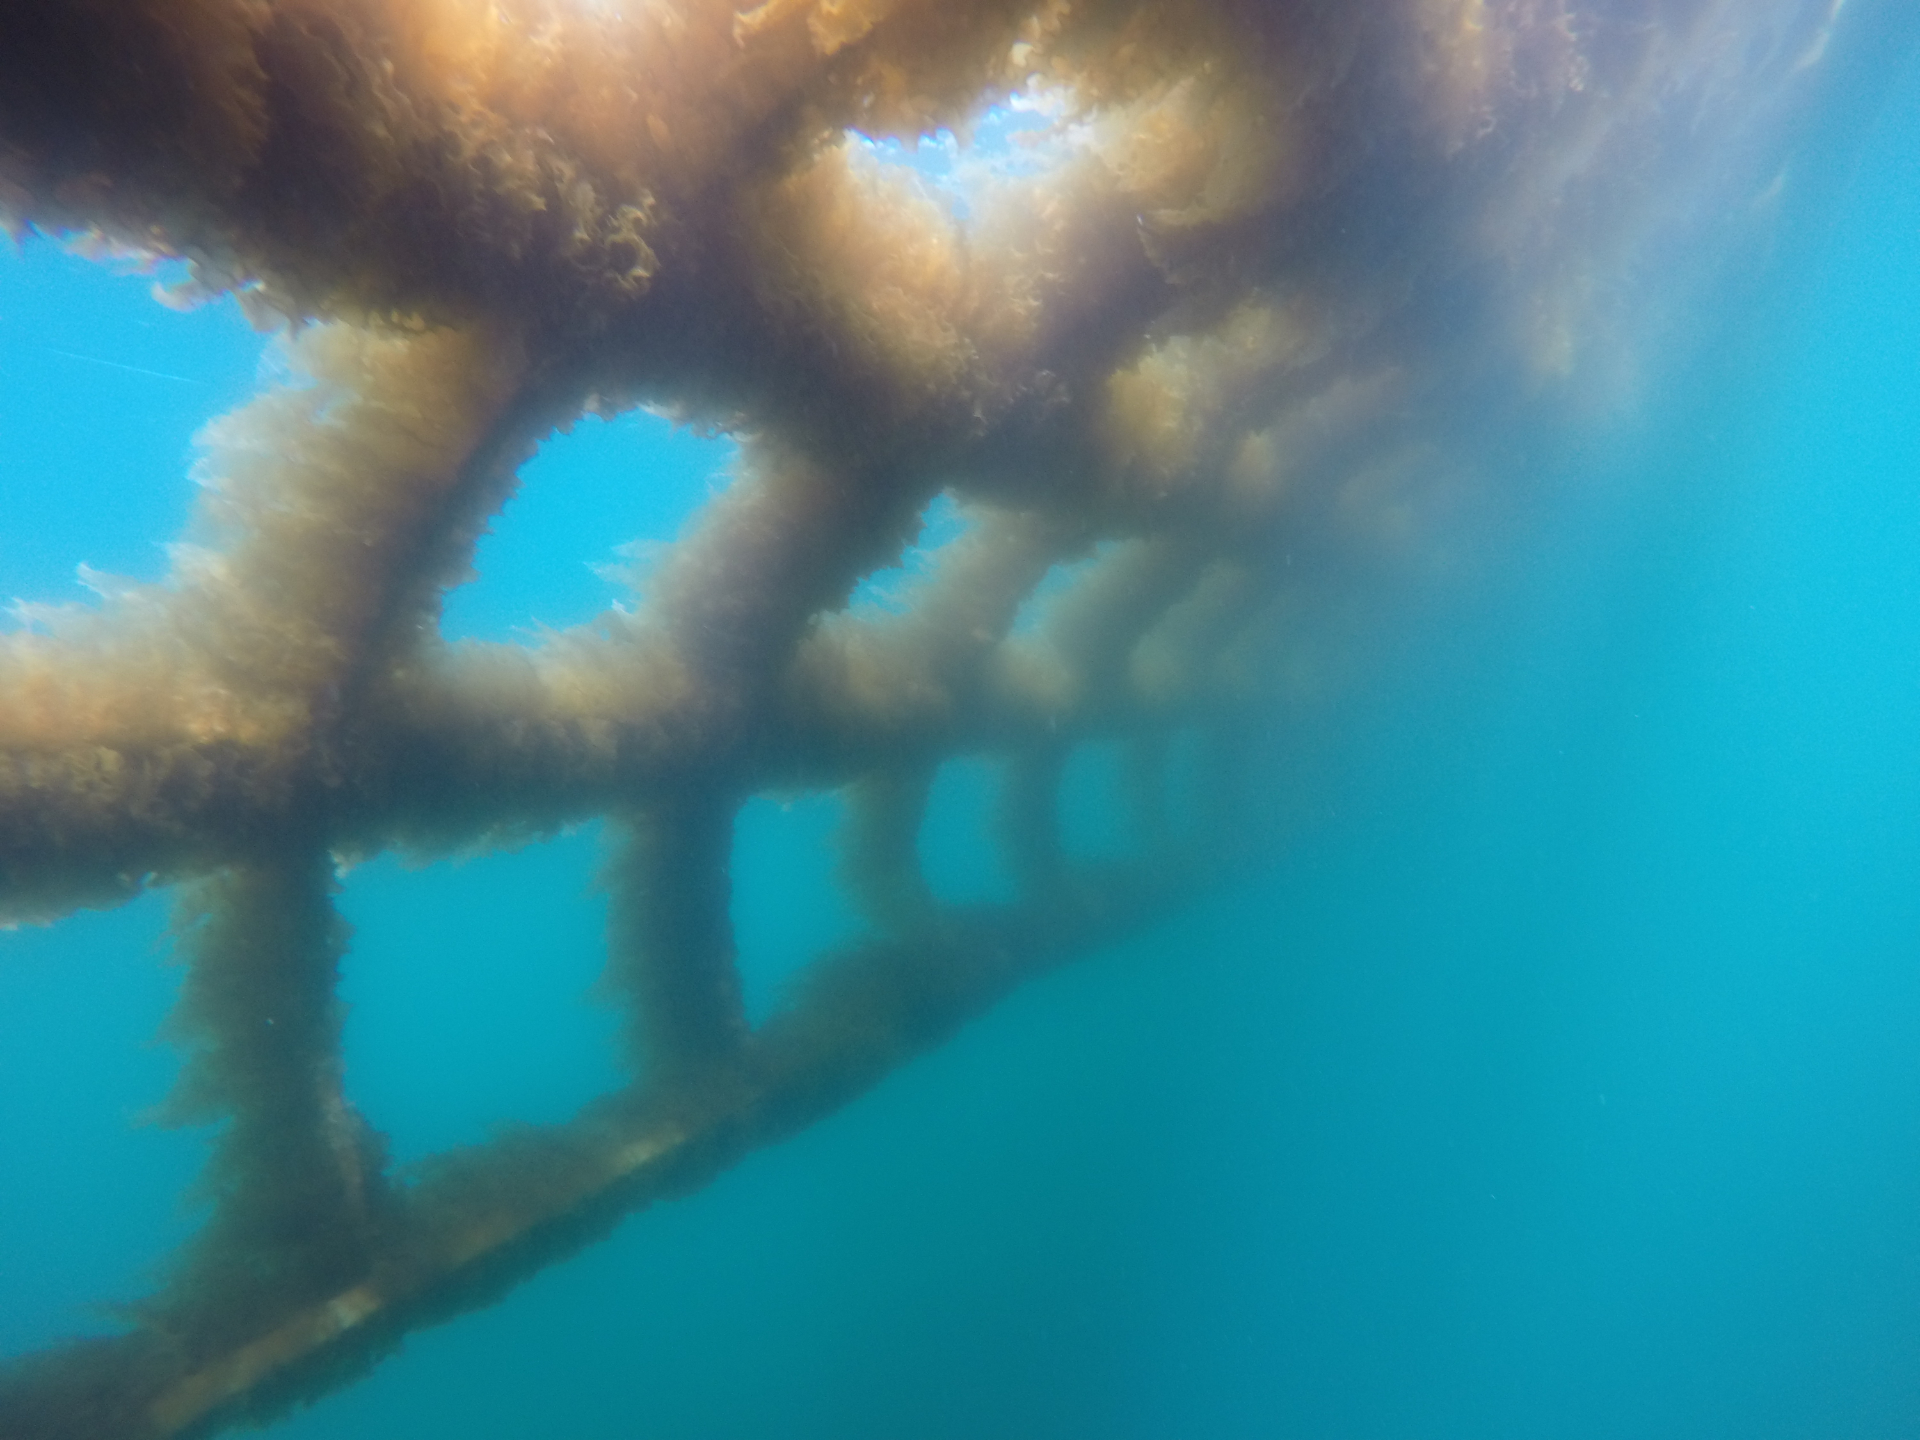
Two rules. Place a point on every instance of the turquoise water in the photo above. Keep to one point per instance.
(1562, 1079)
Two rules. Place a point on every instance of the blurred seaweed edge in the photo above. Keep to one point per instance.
(1247, 321)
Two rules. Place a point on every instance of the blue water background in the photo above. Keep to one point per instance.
(1562, 1079)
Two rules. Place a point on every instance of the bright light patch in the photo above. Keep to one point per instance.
(592, 505)
(1023, 135)
(101, 393)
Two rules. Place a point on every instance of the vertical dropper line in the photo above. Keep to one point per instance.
(1143, 789)
(1028, 822)
(880, 848)
(296, 1174)
(671, 949)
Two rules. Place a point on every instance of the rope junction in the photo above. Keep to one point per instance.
(1255, 322)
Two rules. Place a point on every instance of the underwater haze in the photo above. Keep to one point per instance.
(1559, 1078)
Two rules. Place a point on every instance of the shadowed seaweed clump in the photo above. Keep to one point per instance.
(1214, 370)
